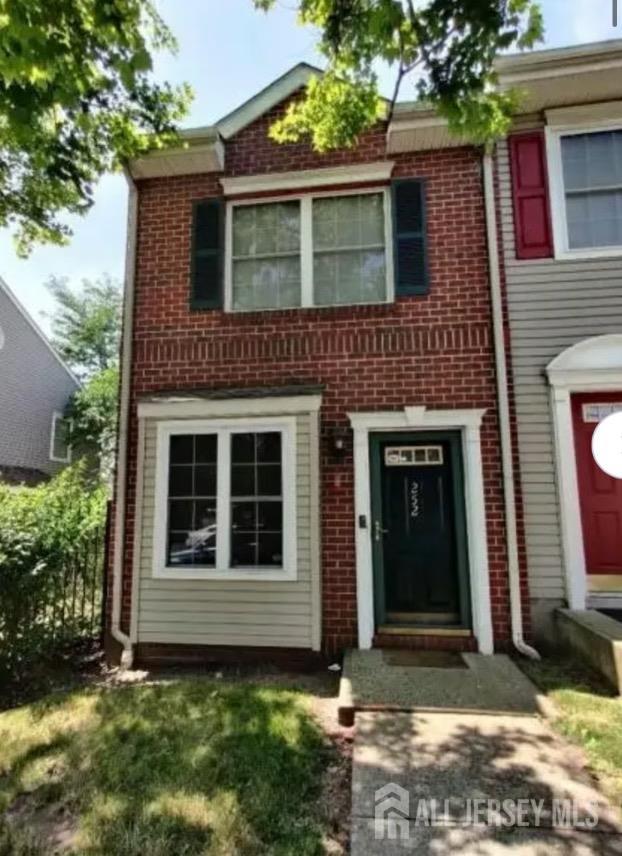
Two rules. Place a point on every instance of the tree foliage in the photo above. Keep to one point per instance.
(76, 100)
(447, 47)
(93, 412)
(40, 528)
(86, 324)
(86, 330)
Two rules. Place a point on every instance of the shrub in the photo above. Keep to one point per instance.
(41, 530)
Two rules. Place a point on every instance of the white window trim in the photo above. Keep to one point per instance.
(225, 428)
(553, 137)
(56, 417)
(421, 419)
(306, 247)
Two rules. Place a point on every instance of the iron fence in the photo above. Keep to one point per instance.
(60, 604)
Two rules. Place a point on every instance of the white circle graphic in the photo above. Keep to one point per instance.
(607, 445)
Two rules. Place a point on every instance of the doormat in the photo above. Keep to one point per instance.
(424, 659)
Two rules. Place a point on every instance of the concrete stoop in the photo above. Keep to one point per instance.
(375, 681)
(595, 638)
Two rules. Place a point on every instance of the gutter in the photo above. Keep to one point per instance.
(503, 399)
(124, 412)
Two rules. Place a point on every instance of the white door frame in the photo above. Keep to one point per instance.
(593, 365)
(468, 422)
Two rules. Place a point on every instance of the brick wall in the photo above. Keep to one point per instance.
(434, 350)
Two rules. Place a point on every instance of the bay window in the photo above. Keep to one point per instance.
(225, 499)
(316, 250)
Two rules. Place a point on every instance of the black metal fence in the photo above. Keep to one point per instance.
(60, 604)
(74, 610)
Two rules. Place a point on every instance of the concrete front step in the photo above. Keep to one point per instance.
(373, 680)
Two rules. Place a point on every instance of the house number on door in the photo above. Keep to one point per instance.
(414, 500)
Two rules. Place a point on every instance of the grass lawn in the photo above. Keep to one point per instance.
(182, 767)
(589, 715)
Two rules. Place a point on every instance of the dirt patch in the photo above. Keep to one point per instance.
(51, 828)
(66, 669)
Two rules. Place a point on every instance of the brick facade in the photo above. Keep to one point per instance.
(434, 350)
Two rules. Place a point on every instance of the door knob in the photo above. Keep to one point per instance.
(378, 530)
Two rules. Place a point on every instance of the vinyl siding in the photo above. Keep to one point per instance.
(219, 612)
(33, 384)
(552, 305)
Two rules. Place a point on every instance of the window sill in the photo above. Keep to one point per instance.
(581, 255)
(385, 302)
(231, 575)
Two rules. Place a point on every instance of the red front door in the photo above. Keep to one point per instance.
(600, 495)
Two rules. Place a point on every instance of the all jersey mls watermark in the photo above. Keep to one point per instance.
(395, 813)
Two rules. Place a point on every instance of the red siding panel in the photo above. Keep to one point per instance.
(532, 222)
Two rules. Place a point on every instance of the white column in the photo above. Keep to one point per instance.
(568, 490)
(364, 572)
(478, 540)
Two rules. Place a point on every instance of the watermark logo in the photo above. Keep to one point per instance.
(391, 809)
(395, 813)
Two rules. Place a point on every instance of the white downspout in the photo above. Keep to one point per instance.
(504, 413)
(124, 407)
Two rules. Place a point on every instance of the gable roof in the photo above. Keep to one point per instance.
(267, 98)
(4, 288)
(203, 150)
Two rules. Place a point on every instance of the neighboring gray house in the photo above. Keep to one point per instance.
(35, 386)
(560, 177)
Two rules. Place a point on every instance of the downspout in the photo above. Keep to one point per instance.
(124, 412)
(505, 431)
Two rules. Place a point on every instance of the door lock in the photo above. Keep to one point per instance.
(378, 530)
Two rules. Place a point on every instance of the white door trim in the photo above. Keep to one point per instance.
(593, 365)
(468, 422)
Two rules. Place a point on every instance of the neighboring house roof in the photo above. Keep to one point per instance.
(548, 78)
(36, 329)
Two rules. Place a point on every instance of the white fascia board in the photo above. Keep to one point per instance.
(310, 178)
(191, 160)
(594, 115)
(536, 64)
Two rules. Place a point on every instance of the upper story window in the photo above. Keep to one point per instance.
(266, 255)
(316, 250)
(585, 171)
(592, 170)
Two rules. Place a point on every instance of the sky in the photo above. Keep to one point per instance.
(227, 52)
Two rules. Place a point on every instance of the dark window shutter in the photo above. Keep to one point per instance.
(409, 227)
(206, 270)
(532, 221)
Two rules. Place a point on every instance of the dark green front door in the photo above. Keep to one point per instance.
(418, 531)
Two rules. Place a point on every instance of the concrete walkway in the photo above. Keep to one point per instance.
(447, 774)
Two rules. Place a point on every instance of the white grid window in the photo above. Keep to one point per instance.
(226, 499)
